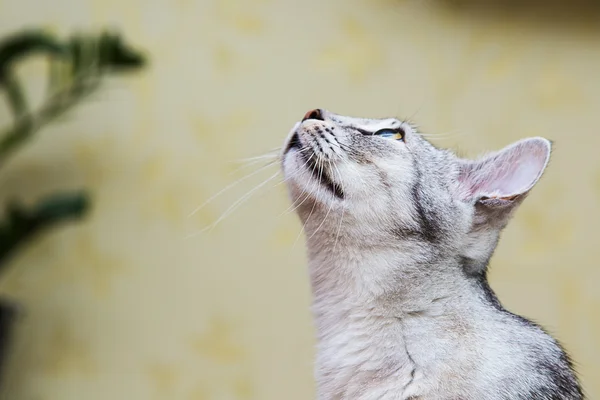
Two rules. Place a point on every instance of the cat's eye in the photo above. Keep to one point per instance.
(396, 134)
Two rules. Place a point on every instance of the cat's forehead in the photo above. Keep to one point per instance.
(368, 123)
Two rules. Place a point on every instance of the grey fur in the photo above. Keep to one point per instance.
(399, 235)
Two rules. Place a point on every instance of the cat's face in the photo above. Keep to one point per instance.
(377, 181)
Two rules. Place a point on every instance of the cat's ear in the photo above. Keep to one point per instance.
(500, 180)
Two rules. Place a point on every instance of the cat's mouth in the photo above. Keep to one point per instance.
(318, 171)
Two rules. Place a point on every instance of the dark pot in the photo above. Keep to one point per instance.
(8, 316)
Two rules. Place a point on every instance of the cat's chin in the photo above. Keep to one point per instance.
(318, 172)
(322, 174)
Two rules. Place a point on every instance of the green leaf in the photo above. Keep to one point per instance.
(86, 59)
(21, 224)
(26, 43)
(115, 54)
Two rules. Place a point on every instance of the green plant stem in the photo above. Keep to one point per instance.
(18, 104)
(15, 96)
(54, 107)
(76, 70)
(90, 58)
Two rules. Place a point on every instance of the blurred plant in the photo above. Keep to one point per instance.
(76, 69)
(77, 66)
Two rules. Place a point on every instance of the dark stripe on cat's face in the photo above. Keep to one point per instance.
(429, 227)
(425, 231)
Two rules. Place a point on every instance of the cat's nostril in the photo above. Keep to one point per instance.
(313, 114)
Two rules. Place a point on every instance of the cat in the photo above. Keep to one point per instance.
(399, 234)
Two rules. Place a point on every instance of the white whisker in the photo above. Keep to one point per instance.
(248, 165)
(235, 206)
(227, 188)
(356, 174)
(337, 236)
(326, 214)
(319, 185)
(242, 199)
(269, 154)
(297, 171)
(293, 207)
(414, 114)
(442, 135)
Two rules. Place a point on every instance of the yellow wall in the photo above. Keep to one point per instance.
(123, 306)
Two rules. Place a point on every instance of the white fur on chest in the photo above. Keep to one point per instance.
(391, 330)
(373, 347)
(362, 358)
(444, 351)
(366, 352)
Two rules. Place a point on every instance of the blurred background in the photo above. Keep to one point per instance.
(135, 301)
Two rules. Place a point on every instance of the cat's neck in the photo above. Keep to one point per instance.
(386, 278)
(375, 317)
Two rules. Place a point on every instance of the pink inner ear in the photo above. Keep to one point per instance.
(510, 172)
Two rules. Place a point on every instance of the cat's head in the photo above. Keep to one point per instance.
(377, 182)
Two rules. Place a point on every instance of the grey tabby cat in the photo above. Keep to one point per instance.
(399, 236)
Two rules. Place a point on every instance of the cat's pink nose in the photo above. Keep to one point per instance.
(313, 114)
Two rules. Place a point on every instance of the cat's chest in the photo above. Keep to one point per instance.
(368, 357)
(364, 358)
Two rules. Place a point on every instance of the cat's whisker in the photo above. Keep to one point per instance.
(442, 135)
(248, 165)
(313, 207)
(245, 161)
(439, 136)
(273, 153)
(356, 174)
(226, 188)
(293, 207)
(270, 156)
(285, 179)
(326, 214)
(242, 199)
(337, 236)
(414, 114)
(232, 208)
(297, 171)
